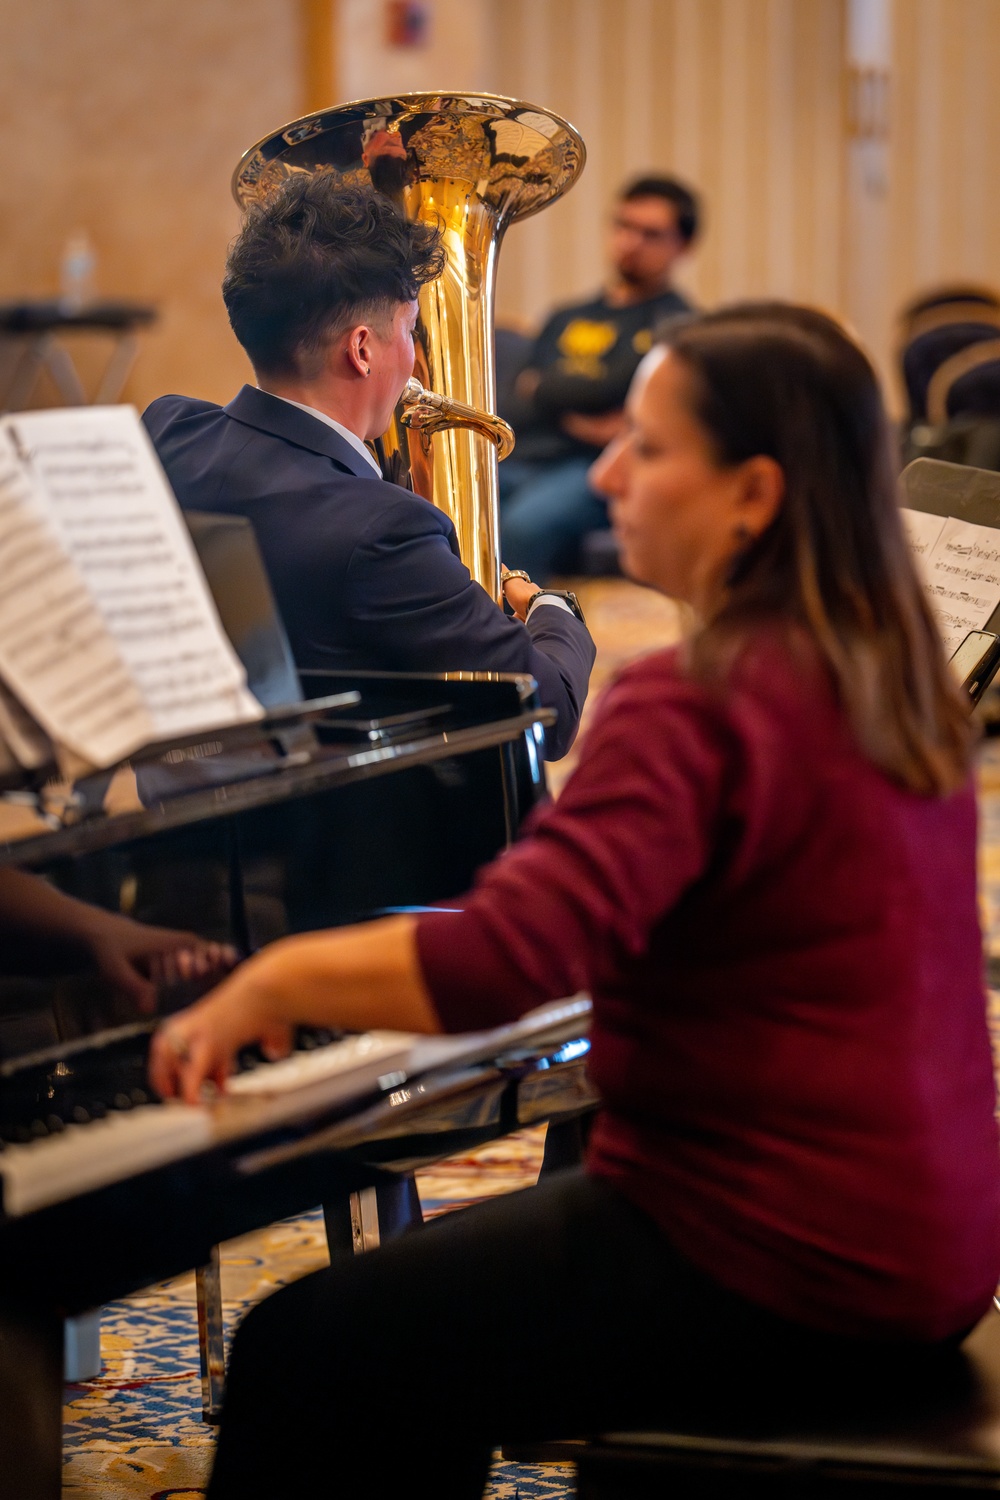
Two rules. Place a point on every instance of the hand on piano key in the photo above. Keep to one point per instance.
(199, 1046)
(357, 979)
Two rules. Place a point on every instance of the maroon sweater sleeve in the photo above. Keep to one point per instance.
(633, 828)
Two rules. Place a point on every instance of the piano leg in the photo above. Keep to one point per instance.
(211, 1338)
(365, 1219)
(31, 1402)
(565, 1143)
(83, 1347)
(353, 1224)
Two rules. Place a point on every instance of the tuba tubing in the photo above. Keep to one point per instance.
(425, 411)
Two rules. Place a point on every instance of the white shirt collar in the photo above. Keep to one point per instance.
(345, 432)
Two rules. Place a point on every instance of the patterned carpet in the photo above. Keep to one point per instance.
(135, 1432)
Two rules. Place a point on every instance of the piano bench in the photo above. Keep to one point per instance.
(942, 1446)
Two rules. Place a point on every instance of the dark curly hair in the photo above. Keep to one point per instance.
(314, 257)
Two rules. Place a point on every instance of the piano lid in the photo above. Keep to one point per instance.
(365, 724)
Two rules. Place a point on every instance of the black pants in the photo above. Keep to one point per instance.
(538, 1315)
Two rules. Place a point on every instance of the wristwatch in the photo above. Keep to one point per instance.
(565, 594)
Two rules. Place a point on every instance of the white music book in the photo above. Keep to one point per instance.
(109, 637)
(960, 566)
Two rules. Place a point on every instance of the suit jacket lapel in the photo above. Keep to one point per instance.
(257, 408)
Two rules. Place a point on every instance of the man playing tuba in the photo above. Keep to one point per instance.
(321, 288)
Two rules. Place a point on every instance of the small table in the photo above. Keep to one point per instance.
(31, 340)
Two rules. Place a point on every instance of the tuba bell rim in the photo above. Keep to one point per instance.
(307, 127)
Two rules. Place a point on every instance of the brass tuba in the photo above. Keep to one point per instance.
(472, 164)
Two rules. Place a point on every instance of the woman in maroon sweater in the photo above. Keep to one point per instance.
(763, 871)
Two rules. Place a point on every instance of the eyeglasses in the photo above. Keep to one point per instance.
(644, 231)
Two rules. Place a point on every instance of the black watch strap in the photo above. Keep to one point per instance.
(565, 594)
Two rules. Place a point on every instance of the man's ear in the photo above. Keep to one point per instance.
(359, 349)
(761, 493)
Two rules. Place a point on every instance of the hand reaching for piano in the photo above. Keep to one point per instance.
(133, 956)
(139, 960)
(352, 979)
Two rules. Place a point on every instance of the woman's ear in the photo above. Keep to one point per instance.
(762, 492)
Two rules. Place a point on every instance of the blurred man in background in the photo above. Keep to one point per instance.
(568, 400)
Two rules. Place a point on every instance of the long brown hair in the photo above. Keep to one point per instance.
(770, 378)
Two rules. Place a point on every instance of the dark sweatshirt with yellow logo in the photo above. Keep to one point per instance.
(586, 355)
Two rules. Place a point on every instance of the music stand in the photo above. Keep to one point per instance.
(943, 489)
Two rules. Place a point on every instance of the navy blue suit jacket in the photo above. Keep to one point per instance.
(366, 574)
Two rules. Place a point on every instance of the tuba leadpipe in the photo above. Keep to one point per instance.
(427, 411)
(472, 164)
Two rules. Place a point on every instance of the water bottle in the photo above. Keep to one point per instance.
(76, 272)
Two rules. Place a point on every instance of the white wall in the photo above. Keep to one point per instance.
(453, 58)
(739, 97)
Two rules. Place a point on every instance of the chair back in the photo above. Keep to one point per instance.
(967, 384)
(939, 337)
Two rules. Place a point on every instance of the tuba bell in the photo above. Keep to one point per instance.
(472, 164)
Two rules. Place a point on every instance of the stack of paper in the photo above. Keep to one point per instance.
(109, 638)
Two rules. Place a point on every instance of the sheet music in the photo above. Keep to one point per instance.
(962, 572)
(113, 509)
(923, 530)
(55, 650)
(30, 746)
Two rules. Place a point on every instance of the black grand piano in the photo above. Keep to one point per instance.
(376, 792)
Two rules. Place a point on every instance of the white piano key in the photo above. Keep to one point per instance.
(84, 1157)
(308, 1082)
(356, 1055)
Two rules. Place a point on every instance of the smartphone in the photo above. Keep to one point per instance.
(976, 661)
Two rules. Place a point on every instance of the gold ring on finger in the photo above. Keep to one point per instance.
(177, 1044)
